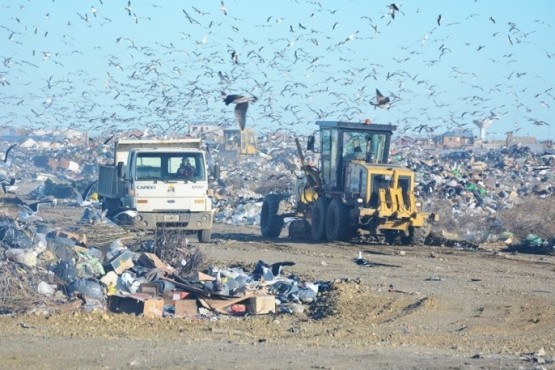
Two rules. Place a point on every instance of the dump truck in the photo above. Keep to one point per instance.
(164, 181)
(352, 191)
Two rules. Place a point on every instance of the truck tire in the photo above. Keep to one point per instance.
(337, 221)
(204, 236)
(417, 235)
(318, 219)
(111, 206)
(270, 222)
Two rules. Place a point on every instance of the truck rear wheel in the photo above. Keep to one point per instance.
(337, 221)
(270, 222)
(111, 206)
(204, 236)
(318, 221)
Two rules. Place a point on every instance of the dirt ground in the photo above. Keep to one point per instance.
(410, 308)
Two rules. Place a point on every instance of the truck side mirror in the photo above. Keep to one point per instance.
(120, 169)
(310, 143)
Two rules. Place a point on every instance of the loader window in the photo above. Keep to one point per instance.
(329, 157)
(375, 148)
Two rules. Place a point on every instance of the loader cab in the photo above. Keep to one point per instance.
(241, 142)
(344, 142)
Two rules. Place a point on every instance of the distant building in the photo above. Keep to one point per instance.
(455, 139)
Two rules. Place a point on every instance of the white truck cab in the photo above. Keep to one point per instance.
(148, 176)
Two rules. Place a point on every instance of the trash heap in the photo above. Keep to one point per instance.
(46, 271)
(477, 197)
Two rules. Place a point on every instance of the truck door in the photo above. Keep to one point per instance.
(329, 140)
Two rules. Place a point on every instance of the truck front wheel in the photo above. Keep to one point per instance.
(204, 236)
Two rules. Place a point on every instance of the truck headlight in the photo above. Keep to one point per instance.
(418, 205)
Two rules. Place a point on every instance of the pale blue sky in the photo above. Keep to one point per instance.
(304, 60)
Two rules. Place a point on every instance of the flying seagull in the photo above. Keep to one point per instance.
(241, 105)
(8, 152)
(392, 9)
(381, 101)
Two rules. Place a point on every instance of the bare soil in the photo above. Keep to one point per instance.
(426, 307)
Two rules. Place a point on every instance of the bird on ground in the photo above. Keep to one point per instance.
(8, 186)
(269, 273)
(241, 105)
(84, 198)
(29, 212)
(381, 101)
(361, 261)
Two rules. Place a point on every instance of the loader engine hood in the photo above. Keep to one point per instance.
(366, 180)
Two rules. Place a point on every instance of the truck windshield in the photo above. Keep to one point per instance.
(170, 166)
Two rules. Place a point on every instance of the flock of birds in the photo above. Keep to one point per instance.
(99, 68)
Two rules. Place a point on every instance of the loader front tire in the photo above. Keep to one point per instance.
(318, 220)
(337, 221)
(270, 222)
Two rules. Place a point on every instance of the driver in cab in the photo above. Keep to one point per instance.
(185, 170)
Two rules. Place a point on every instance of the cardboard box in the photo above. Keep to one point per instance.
(185, 307)
(153, 307)
(138, 304)
(201, 276)
(151, 289)
(174, 295)
(150, 260)
(122, 262)
(260, 305)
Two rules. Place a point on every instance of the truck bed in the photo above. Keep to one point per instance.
(108, 184)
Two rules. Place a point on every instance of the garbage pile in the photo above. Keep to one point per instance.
(472, 193)
(474, 196)
(47, 270)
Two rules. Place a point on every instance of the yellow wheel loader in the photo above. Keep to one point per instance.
(353, 191)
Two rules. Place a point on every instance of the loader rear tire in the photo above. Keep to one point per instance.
(318, 220)
(270, 222)
(337, 221)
